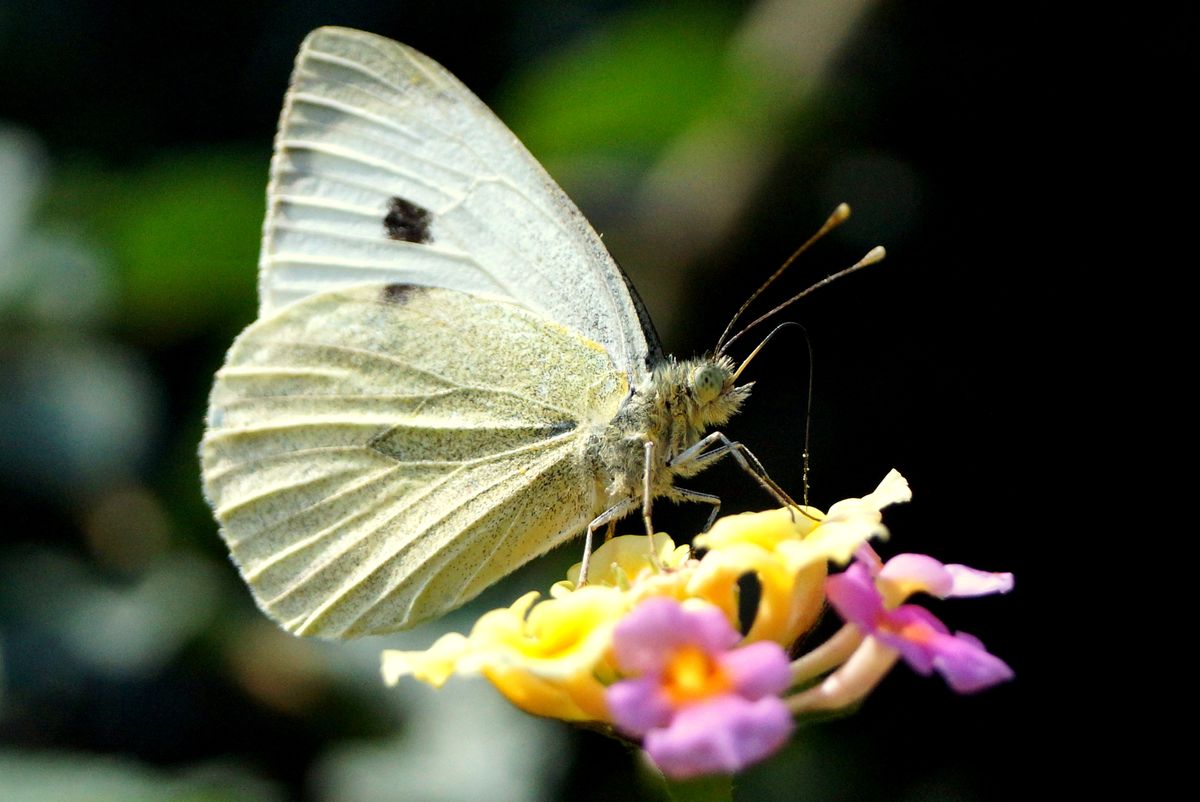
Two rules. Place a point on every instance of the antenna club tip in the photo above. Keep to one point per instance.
(874, 255)
(840, 213)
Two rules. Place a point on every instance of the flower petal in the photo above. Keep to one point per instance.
(621, 560)
(911, 573)
(927, 646)
(765, 529)
(577, 698)
(854, 595)
(721, 736)
(853, 521)
(906, 574)
(967, 666)
(644, 639)
(555, 638)
(973, 582)
(893, 489)
(638, 705)
(915, 632)
(433, 666)
(709, 628)
(758, 669)
(789, 603)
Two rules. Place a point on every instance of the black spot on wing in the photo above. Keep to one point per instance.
(407, 222)
(399, 293)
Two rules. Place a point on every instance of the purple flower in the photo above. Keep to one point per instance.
(699, 705)
(906, 574)
(922, 640)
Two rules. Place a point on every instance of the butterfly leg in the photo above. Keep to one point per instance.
(683, 494)
(611, 515)
(696, 458)
(648, 503)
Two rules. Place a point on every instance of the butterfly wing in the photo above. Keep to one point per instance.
(379, 455)
(388, 169)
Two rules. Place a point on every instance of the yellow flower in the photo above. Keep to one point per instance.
(625, 560)
(791, 597)
(647, 647)
(851, 523)
(433, 666)
(552, 657)
(788, 550)
(544, 656)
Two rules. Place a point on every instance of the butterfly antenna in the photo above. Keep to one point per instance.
(760, 346)
(808, 405)
(808, 402)
(839, 216)
(874, 255)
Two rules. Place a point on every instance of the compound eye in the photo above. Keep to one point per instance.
(707, 382)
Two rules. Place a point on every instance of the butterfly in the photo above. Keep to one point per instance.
(449, 374)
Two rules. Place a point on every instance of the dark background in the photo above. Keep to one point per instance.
(134, 143)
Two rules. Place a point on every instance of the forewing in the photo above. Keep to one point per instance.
(387, 168)
(379, 455)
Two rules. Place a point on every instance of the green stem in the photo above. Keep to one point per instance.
(715, 788)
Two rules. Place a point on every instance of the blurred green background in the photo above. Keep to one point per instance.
(706, 141)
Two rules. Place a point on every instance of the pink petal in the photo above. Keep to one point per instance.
(967, 666)
(942, 580)
(915, 633)
(638, 706)
(644, 639)
(867, 555)
(758, 670)
(720, 737)
(854, 595)
(927, 646)
(921, 570)
(711, 630)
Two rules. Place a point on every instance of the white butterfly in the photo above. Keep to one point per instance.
(449, 374)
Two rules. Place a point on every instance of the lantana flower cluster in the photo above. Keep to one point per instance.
(651, 645)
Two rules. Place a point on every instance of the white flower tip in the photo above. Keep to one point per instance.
(394, 665)
(433, 666)
(893, 489)
(973, 582)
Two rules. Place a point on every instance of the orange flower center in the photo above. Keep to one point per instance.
(692, 674)
(913, 631)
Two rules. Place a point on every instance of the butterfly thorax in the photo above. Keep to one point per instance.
(673, 408)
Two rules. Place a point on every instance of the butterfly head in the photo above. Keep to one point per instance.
(712, 389)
